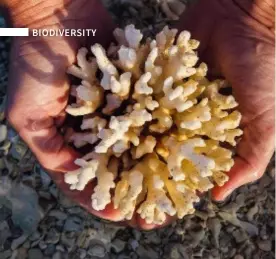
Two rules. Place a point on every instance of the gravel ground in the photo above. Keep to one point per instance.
(37, 221)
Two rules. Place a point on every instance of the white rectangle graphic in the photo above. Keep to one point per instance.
(14, 32)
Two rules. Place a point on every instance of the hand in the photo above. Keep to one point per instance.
(237, 42)
(38, 86)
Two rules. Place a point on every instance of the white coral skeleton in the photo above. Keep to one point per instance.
(154, 122)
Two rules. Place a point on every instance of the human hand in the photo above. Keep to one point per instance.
(38, 87)
(237, 42)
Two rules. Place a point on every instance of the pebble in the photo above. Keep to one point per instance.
(42, 245)
(239, 235)
(35, 253)
(147, 252)
(82, 253)
(97, 250)
(65, 201)
(215, 226)
(118, 245)
(35, 236)
(57, 255)
(73, 223)
(67, 241)
(27, 244)
(251, 229)
(54, 190)
(178, 251)
(4, 213)
(5, 232)
(3, 132)
(263, 233)
(5, 254)
(60, 248)
(50, 250)
(19, 241)
(137, 234)
(271, 172)
(265, 245)
(45, 178)
(134, 244)
(25, 214)
(238, 257)
(197, 237)
(22, 253)
(252, 212)
(52, 236)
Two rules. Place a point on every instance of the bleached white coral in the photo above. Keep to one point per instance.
(154, 122)
(88, 99)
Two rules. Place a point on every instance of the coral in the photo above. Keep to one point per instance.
(154, 122)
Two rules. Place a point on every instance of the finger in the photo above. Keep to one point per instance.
(83, 198)
(253, 154)
(48, 145)
(241, 173)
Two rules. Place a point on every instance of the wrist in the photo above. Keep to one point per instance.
(262, 11)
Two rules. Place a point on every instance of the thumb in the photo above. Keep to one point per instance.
(49, 146)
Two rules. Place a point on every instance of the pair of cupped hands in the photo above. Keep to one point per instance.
(236, 41)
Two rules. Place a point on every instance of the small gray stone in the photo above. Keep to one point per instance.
(97, 250)
(22, 253)
(271, 172)
(238, 257)
(73, 223)
(26, 215)
(52, 236)
(3, 132)
(14, 254)
(19, 241)
(67, 241)
(35, 253)
(118, 245)
(58, 214)
(144, 252)
(252, 212)
(134, 244)
(35, 236)
(75, 210)
(54, 190)
(42, 245)
(60, 248)
(197, 237)
(45, 178)
(50, 250)
(5, 232)
(265, 245)
(82, 253)
(4, 213)
(240, 236)
(57, 255)
(137, 234)
(65, 201)
(5, 254)
(27, 244)
(251, 229)
(177, 251)
(215, 226)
